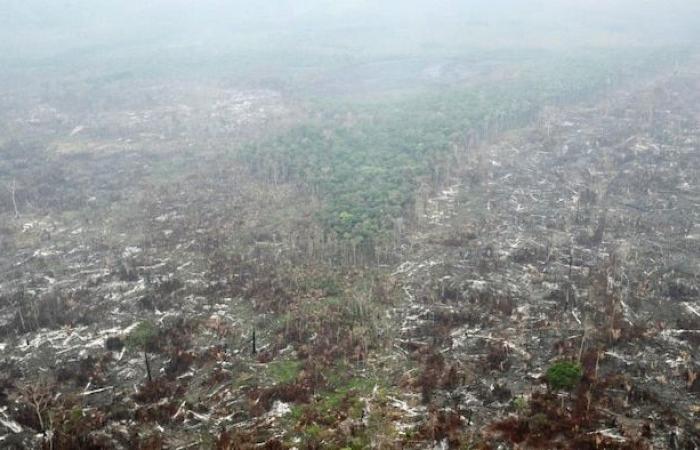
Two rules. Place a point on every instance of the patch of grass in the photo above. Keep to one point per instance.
(312, 436)
(284, 371)
(346, 395)
(319, 421)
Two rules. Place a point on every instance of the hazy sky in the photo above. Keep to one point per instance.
(48, 28)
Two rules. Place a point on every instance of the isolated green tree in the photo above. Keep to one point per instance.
(141, 338)
(564, 375)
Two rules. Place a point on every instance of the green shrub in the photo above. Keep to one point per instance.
(564, 375)
(520, 404)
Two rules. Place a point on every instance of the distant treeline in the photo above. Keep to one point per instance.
(366, 162)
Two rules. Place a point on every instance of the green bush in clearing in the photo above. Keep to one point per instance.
(564, 375)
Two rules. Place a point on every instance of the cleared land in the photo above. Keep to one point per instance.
(409, 266)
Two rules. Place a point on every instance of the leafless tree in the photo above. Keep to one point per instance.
(13, 192)
(39, 397)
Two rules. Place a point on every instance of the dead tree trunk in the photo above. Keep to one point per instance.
(254, 349)
(148, 366)
(13, 191)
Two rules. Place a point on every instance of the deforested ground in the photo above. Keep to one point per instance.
(202, 264)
